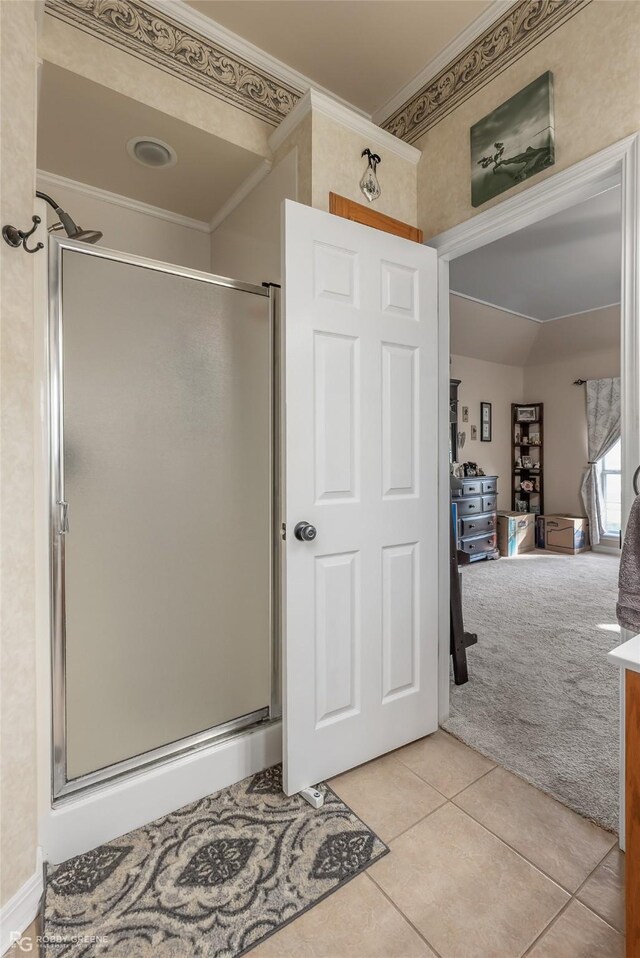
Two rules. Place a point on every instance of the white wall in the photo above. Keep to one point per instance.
(18, 838)
(246, 245)
(131, 231)
(500, 385)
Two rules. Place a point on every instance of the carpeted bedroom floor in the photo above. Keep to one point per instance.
(542, 700)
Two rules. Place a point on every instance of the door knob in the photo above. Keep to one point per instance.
(305, 532)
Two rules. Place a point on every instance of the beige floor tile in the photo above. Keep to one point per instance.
(604, 892)
(561, 843)
(444, 762)
(468, 893)
(578, 933)
(386, 795)
(355, 922)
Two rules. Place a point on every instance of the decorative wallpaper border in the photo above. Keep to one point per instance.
(160, 40)
(517, 31)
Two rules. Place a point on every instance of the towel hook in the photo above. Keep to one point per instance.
(16, 238)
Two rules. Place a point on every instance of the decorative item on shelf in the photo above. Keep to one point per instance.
(534, 439)
(522, 505)
(470, 469)
(525, 414)
(369, 182)
(527, 486)
(485, 422)
(519, 462)
(514, 141)
(524, 441)
(527, 462)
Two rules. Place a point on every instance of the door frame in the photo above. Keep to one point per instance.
(618, 164)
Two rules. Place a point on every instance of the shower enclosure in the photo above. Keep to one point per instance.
(163, 425)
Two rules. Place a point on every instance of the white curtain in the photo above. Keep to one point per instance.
(603, 431)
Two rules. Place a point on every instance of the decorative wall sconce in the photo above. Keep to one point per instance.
(369, 182)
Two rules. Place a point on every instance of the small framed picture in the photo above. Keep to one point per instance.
(522, 505)
(485, 422)
(527, 462)
(526, 413)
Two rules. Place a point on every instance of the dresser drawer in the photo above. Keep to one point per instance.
(475, 525)
(489, 503)
(466, 487)
(469, 506)
(489, 485)
(478, 545)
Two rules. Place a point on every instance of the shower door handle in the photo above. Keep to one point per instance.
(305, 532)
(64, 517)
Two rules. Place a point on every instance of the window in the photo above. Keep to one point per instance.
(610, 484)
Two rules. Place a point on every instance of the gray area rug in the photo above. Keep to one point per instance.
(542, 700)
(210, 880)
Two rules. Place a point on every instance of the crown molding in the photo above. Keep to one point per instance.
(158, 34)
(524, 24)
(453, 49)
(53, 180)
(317, 102)
(240, 194)
(216, 33)
(501, 309)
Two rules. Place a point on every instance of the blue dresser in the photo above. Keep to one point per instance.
(474, 504)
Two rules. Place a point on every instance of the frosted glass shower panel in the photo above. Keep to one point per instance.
(167, 475)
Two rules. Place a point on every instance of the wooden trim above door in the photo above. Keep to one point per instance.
(341, 206)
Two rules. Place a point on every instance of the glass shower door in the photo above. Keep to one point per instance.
(161, 508)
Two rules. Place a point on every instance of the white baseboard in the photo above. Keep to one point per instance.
(611, 547)
(22, 908)
(86, 820)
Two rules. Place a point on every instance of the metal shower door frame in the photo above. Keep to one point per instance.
(61, 787)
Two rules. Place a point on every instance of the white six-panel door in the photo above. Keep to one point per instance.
(361, 612)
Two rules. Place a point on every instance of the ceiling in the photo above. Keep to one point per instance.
(566, 264)
(361, 51)
(83, 130)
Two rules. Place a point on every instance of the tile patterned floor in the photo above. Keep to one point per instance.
(482, 865)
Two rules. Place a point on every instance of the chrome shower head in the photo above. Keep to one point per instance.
(72, 230)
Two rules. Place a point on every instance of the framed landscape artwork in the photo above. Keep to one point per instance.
(513, 142)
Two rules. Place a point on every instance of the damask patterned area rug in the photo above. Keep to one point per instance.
(210, 880)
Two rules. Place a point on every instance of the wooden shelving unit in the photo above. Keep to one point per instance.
(527, 440)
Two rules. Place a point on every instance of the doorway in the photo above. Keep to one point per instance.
(615, 167)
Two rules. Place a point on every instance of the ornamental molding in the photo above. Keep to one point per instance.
(517, 31)
(161, 40)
